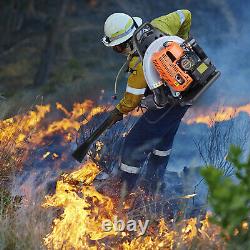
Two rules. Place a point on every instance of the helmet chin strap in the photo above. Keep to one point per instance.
(130, 49)
(135, 23)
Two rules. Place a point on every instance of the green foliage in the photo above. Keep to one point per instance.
(8, 203)
(16, 69)
(5, 200)
(230, 199)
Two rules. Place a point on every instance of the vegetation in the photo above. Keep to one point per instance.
(25, 227)
(51, 49)
(230, 199)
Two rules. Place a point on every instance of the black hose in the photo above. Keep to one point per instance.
(161, 117)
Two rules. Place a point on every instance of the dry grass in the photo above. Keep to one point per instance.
(24, 226)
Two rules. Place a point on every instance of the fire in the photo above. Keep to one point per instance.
(31, 126)
(84, 209)
(46, 155)
(20, 127)
(223, 114)
(72, 122)
(22, 133)
(15, 133)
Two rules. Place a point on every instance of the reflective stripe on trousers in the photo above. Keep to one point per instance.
(129, 169)
(145, 138)
(136, 170)
(161, 152)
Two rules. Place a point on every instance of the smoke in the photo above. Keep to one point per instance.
(221, 28)
(223, 32)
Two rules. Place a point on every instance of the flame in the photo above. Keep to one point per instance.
(30, 126)
(208, 117)
(71, 122)
(15, 133)
(18, 128)
(245, 225)
(84, 209)
(55, 155)
(22, 133)
(46, 155)
(223, 114)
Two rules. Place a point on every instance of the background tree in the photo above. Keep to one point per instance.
(48, 52)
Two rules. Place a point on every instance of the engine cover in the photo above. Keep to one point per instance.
(166, 63)
(151, 75)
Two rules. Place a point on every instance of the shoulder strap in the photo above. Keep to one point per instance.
(131, 70)
(144, 36)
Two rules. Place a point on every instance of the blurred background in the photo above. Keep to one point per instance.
(52, 49)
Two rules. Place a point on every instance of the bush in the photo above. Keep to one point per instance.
(230, 199)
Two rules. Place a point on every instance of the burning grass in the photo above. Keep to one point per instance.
(21, 134)
(221, 114)
(14, 136)
(84, 209)
(78, 209)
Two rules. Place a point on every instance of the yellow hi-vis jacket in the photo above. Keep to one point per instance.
(176, 23)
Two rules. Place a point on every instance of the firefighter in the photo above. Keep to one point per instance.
(150, 140)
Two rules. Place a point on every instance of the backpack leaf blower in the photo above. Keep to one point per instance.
(176, 70)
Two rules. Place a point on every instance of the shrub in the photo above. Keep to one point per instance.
(229, 198)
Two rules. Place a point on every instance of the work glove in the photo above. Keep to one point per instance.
(115, 115)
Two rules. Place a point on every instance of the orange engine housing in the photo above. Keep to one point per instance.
(165, 62)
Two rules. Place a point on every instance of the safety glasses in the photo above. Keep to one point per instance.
(121, 47)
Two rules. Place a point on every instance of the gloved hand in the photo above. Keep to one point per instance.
(115, 115)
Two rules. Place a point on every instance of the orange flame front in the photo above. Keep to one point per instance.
(222, 114)
(84, 210)
(20, 127)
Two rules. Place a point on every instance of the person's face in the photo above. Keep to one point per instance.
(122, 48)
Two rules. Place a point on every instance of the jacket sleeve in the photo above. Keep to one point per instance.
(176, 23)
(136, 87)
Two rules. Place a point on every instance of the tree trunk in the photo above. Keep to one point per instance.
(31, 8)
(48, 53)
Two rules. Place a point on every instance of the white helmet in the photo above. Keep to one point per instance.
(119, 27)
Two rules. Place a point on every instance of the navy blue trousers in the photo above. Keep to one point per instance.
(151, 138)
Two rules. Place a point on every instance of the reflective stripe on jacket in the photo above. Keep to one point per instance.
(176, 23)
